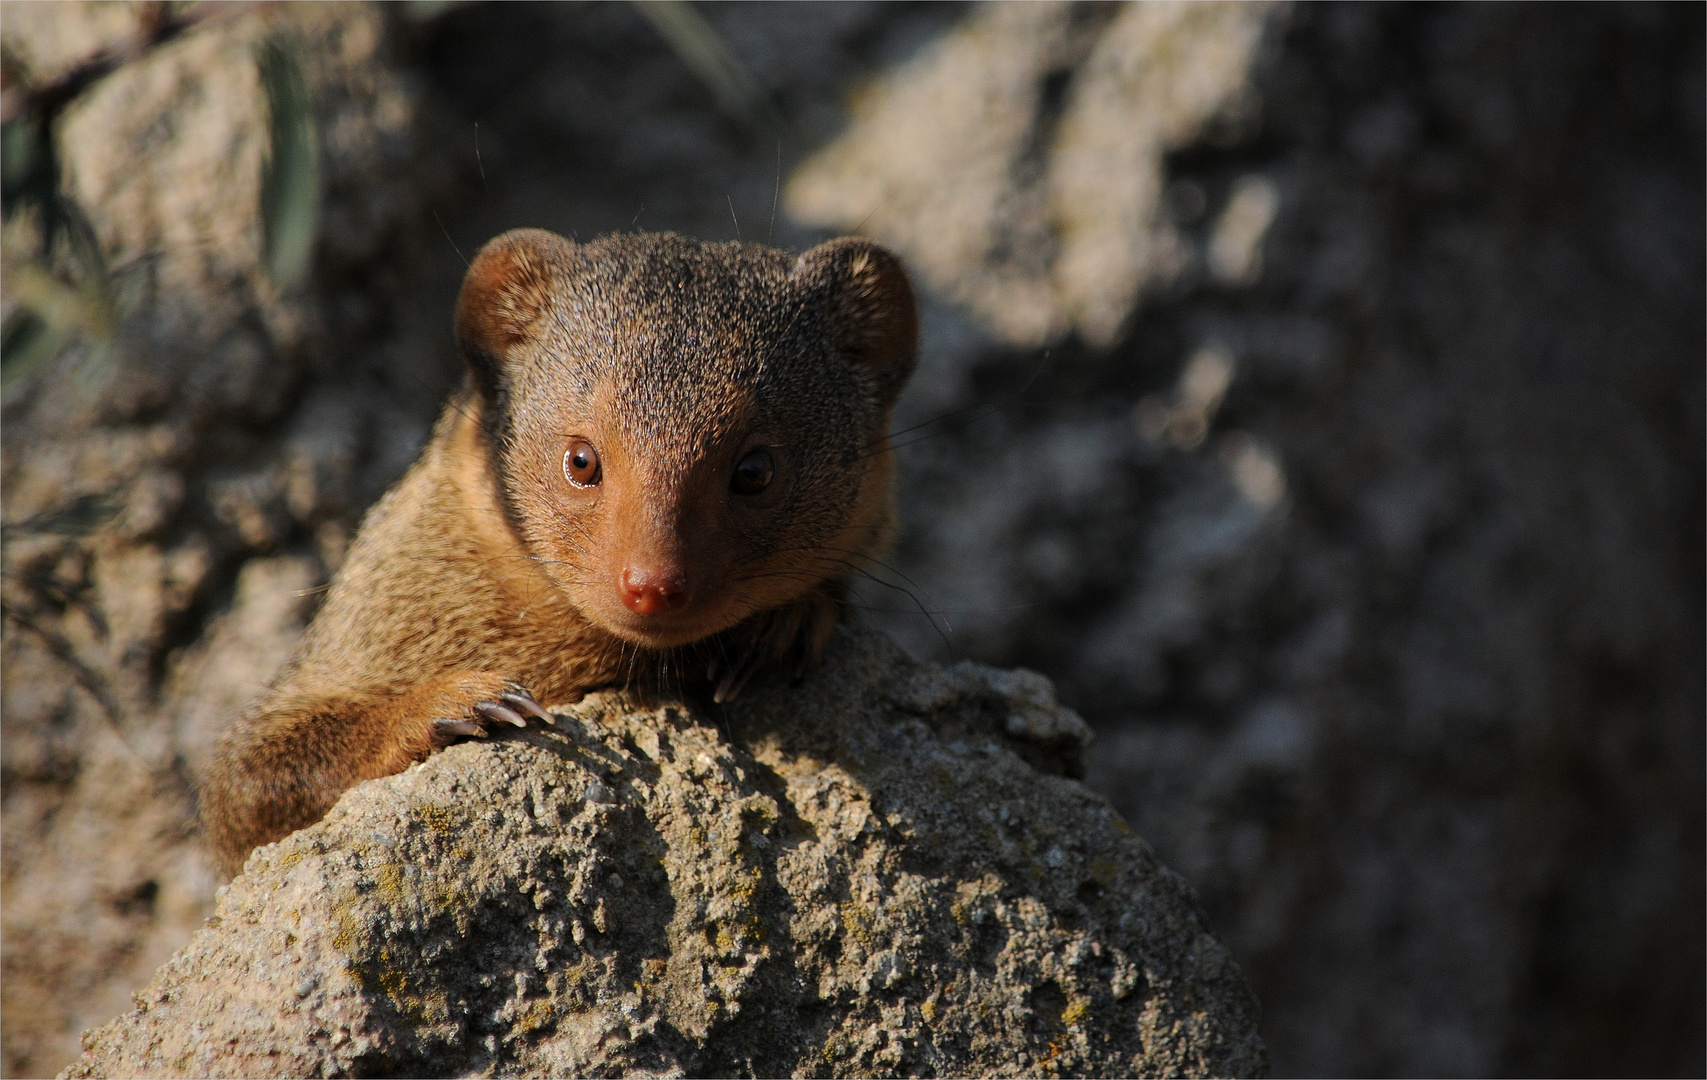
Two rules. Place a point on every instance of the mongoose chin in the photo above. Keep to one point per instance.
(665, 462)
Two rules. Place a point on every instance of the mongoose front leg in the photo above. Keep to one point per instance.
(284, 764)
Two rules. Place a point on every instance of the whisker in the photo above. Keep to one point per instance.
(453, 246)
(941, 631)
(886, 566)
(770, 235)
(887, 442)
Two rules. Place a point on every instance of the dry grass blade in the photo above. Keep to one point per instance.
(703, 49)
(290, 183)
(80, 517)
(63, 296)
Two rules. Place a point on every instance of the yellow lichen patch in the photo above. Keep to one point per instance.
(444, 898)
(538, 1015)
(575, 985)
(759, 813)
(416, 1009)
(388, 884)
(745, 888)
(836, 1046)
(928, 1011)
(395, 983)
(1076, 1012)
(290, 859)
(962, 912)
(720, 937)
(443, 820)
(345, 936)
(755, 930)
(1050, 1063)
(857, 920)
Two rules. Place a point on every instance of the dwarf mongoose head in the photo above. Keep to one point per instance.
(684, 434)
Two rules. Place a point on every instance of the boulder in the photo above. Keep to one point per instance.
(882, 870)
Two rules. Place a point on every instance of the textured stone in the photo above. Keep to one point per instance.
(857, 876)
(1393, 641)
(158, 552)
(1018, 162)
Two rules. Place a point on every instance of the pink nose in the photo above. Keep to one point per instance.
(652, 592)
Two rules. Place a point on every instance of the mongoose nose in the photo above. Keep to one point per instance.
(652, 592)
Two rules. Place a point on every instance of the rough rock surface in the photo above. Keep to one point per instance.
(171, 503)
(1371, 546)
(1371, 543)
(1019, 161)
(856, 876)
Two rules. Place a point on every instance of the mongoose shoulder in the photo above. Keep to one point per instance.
(666, 460)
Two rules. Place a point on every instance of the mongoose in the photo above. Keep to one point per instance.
(666, 459)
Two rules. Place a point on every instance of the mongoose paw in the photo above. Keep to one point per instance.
(734, 679)
(512, 705)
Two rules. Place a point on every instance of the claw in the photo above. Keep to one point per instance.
(523, 702)
(733, 681)
(492, 710)
(448, 728)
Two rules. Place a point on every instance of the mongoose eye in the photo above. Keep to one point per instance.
(753, 474)
(581, 464)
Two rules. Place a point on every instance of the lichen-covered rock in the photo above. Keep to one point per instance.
(856, 876)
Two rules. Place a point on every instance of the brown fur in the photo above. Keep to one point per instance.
(485, 567)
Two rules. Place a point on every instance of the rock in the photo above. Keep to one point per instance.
(1371, 544)
(1391, 632)
(163, 497)
(859, 875)
(1018, 162)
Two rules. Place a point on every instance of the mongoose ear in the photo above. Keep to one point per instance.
(873, 317)
(506, 292)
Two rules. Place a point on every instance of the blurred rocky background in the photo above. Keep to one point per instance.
(1315, 393)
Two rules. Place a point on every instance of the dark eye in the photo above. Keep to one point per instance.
(753, 474)
(581, 464)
